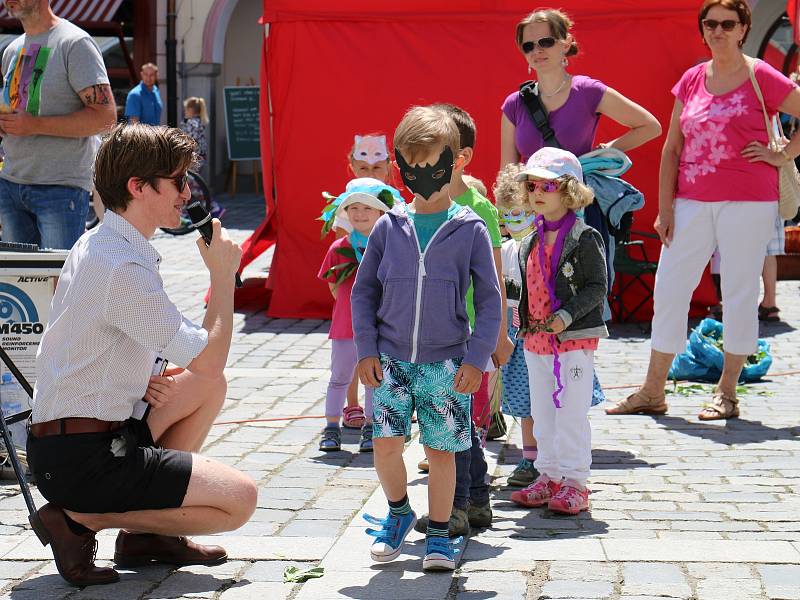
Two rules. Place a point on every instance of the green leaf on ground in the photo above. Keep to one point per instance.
(691, 389)
(294, 574)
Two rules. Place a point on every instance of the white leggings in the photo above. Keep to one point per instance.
(741, 231)
(563, 435)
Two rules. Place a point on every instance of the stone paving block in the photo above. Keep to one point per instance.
(10, 569)
(129, 587)
(702, 550)
(655, 579)
(582, 571)
(265, 500)
(41, 587)
(626, 597)
(491, 554)
(781, 582)
(483, 584)
(312, 528)
(627, 535)
(245, 590)
(577, 589)
(716, 526)
(257, 528)
(334, 514)
(706, 570)
(692, 535)
(726, 589)
(377, 583)
(182, 584)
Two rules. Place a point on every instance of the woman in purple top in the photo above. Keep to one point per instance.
(574, 103)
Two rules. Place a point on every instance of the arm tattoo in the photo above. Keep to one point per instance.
(97, 94)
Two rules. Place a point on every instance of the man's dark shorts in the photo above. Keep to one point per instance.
(115, 471)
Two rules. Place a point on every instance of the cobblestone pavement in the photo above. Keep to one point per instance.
(680, 509)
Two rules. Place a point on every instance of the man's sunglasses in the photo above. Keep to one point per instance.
(545, 186)
(545, 42)
(180, 181)
(727, 24)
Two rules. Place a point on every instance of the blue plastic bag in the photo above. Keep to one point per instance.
(703, 358)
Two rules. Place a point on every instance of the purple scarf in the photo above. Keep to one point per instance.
(563, 226)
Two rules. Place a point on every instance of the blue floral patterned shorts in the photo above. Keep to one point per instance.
(443, 414)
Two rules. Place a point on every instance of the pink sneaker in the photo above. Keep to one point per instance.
(569, 500)
(536, 494)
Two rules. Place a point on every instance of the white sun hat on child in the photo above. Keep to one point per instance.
(364, 190)
(551, 163)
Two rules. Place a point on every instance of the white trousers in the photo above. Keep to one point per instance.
(741, 231)
(563, 435)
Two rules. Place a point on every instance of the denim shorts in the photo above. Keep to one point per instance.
(443, 414)
(52, 216)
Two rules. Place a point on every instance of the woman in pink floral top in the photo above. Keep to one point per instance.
(718, 188)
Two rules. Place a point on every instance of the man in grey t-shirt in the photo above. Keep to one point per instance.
(56, 97)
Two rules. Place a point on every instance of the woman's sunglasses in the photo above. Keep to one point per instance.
(727, 24)
(545, 42)
(545, 186)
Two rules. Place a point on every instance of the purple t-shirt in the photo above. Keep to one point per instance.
(574, 123)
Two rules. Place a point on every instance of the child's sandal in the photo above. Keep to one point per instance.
(353, 417)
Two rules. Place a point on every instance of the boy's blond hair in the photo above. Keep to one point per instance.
(508, 193)
(476, 183)
(574, 194)
(422, 129)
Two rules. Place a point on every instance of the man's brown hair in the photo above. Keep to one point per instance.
(141, 152)
(422, 129)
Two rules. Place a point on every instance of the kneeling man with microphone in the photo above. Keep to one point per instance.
(99, 458)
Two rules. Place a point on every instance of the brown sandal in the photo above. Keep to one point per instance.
(722, 407)
(639, 403)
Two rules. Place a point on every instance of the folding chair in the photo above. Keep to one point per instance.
(630, 270)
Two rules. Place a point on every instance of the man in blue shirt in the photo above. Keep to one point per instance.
(144, 102)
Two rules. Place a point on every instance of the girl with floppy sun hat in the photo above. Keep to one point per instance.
(361, 205)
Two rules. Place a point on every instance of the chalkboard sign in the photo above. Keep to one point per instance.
(242, 122)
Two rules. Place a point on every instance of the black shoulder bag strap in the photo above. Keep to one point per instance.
(527, 91)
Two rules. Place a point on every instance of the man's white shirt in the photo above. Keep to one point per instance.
(109, 320)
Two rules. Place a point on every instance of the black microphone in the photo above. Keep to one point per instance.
(201, 220)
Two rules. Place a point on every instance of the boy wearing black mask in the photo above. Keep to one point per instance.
(412, 331)
(471, 505)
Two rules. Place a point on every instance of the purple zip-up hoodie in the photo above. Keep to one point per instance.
(412, 306)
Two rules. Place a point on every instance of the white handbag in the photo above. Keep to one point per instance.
(788, 177)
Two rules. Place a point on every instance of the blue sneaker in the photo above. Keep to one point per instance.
(389, 539)
(440, 554)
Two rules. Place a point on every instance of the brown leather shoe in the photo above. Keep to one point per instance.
(74, 553)
(136, 549)
(639, 403)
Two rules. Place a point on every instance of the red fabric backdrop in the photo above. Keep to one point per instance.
(331, 73)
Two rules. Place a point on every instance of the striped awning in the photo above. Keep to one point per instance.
(79, 10)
